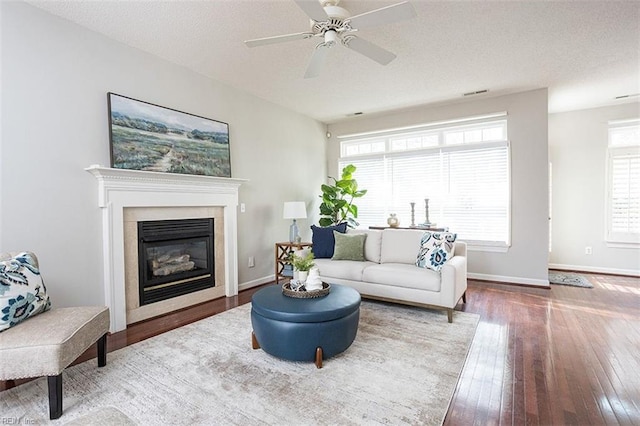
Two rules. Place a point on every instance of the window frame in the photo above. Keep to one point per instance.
(613, 238)
(441, 129)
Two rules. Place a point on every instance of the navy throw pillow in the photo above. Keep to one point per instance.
(323, 240)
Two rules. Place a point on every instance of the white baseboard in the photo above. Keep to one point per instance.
(254, 283)
(512, 280)
(596, 269)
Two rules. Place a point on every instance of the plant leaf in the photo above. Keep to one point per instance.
(328, 190)
(325, 210)
(340, 204)
(344, 183)
(325, 221)
(349, 169)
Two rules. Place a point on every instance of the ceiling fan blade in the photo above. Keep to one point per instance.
(368, 49)
(277, 39)
(385, 15)
(313, 9)
(317, 61)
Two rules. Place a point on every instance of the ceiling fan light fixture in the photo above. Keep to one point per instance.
(331, 38)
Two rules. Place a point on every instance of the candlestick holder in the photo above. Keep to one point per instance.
(413, 215)
(427, 222)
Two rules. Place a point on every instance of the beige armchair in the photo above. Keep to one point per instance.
(47, 343)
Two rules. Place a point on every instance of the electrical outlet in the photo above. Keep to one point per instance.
(252, 262)
(588, 250)
(243, 208)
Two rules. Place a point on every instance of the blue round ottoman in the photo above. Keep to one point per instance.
(304, 329)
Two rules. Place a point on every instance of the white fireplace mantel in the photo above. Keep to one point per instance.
(119, 189)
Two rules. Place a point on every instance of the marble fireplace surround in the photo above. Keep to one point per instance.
(121, 192)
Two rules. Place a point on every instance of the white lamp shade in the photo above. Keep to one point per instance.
(294, 210)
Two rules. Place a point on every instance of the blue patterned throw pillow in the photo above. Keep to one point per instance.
(436, 248)
(22, 291)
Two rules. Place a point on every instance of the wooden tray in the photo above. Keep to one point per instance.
(286, 290)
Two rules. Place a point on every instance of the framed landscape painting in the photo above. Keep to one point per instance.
(149, 137)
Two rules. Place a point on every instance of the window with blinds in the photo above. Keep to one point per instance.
(623, 195)
(462, 169)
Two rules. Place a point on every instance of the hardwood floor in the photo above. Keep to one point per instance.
(563, 356)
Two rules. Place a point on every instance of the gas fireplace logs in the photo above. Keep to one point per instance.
(167, 265)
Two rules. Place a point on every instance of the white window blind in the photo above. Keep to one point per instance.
(478, 204)
(623, 200)
(465, 177)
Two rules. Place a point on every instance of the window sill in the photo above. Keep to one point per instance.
(492, 247)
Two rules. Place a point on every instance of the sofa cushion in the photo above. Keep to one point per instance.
(400, 245)
(436, 248)
(402, 275)
(372, 244)
(323, 240)
(22, 291)
(349, 246)
(343, 269)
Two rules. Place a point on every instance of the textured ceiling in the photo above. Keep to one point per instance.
(586, 53)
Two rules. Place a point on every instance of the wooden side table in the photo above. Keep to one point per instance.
(283, 250)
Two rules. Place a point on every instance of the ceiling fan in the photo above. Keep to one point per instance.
(334, 24)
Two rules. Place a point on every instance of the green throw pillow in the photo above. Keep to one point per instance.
(349, 246)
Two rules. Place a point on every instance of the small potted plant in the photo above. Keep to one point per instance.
(302, 263)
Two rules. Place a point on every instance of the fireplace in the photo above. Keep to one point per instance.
(127, 197)
(173, 241)
(175, 257)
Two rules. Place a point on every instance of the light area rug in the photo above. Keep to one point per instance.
(569, 278)
(401, 369)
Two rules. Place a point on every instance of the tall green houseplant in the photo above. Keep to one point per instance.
(337, 199)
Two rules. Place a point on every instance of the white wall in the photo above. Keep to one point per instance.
(526, 260)
(578, 151)
(55, 76)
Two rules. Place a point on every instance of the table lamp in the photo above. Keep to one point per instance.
(294, 210)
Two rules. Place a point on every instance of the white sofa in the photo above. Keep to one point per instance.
(389, 271)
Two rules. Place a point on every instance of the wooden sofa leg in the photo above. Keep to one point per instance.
(55, 396)
(102, 350)
(464, 297)
(450, 315)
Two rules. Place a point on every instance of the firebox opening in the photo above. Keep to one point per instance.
(175, 257)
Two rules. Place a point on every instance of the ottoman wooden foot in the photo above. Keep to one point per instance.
(254, 341)
(319, 357)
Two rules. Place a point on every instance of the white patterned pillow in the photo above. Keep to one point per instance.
(436, 248)
(22, 291)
